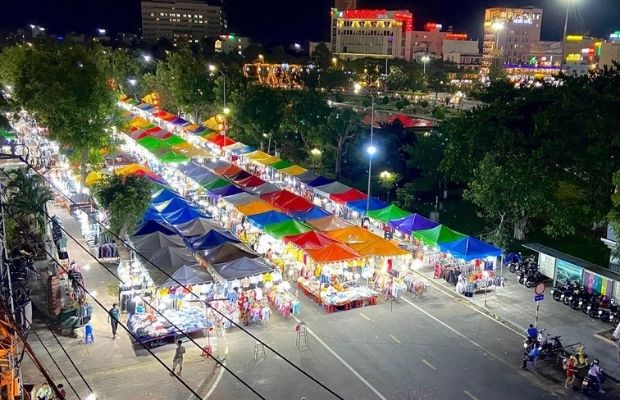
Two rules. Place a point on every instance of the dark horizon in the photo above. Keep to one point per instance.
(272, 21)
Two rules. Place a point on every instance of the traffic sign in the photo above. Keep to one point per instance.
(539, 297)
(540, 288)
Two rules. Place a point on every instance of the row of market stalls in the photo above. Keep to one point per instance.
(265, 199)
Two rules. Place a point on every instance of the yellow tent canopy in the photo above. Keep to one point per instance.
(132, 169)
(255, 207)
(93, 177)
(216, 123)
(138, 122)
(190, 127)
(293, 170)
(190, 151)
(256, 155)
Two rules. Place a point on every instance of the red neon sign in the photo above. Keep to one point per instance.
(456, 36)
(432, 27)
(365, 14)
(406, 19)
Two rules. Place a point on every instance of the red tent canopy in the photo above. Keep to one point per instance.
(168, 117)
(250, 181)
(272, 197)
(309, 240)
(153, 130)
(349, 195)
(137, 135)
(287, 201)
(133, 129)
(221, 140)
(160, 113)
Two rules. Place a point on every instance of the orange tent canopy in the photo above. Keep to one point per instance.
(378, 248)
(256, 207)
(333, 253)
(353, 234)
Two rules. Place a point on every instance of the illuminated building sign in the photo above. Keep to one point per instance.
(615, 36)
(406, 19)
(573, 57)
(456, 36)
(432, 27)
(365, 14)
(574, 38)
(522, 19)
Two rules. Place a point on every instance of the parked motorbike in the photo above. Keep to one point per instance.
(559, 292)
(512, 261)
(551, 346)
(589, 385)
(530, 278)
(609, 313)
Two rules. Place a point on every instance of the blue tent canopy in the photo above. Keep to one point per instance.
(319, 181)
(313, 213)
(163, 195)
(469, 248)
(267, 218)
(244, 150)
(171, 205)
(212, 239)
(152, 214)
(360, 205)
(154, 226)
(413, 222)
(225, 191)
(184, 215)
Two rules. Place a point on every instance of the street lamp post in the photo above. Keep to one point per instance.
(371, 149)
(497, 27)
(316, 154)
(425, 60)
(213, 68)
(133, 82)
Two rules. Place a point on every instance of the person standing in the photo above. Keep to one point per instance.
(571, 369)
(178, 358)
(62, 391)
(114, 316)
(532, 333)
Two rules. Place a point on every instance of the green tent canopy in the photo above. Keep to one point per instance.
(172, 157)
(217, 183)
(281, 164)
(389, 213)
(4, 134)
(286, 228)
(150, 143)
(438, 234)
(174, 140)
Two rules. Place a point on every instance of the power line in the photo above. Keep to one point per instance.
(120, 323)
(241, 328)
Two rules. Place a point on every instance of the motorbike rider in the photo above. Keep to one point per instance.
(595, 373)
(532, 333)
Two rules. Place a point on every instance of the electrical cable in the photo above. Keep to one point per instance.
(119, 323)
(54, 360)
(170, 277)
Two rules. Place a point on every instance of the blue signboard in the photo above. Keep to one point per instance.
(539, 297)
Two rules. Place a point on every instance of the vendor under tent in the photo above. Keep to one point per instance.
(319, 181)
(241, 268)
(227, 252)
(197, 227)
(256, 207)
(437, 235)
(169, 258)
(389, 213)
(149, 244)
(268, 218)
(211, 239)
(469, 248)
(286, 228)
(154, 226)
(362, 205)
(313, 213)
(329, 223)
(413, 222)
(174, 204)
(310, 240)
(349, 195)
(331, 188)
(185, 215)
(163, 195)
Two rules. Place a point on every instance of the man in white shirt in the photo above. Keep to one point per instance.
(178, 358)
(595, 374)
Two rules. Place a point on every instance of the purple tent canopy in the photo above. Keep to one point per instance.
(413, 222)
(225, 191)
(179, 121)
(319, 181)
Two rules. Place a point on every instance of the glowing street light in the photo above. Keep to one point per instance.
(334, 61)
(371, 149)
(214, 68)
(261, 57)
(425, 60)
(385, 175)
(147, 58)
(101, 31)
(132, 82)
(316, 156)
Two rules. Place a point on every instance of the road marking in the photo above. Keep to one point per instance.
(429, 364)
(346, 364)
(395, 339)
(364, 316)
(219, 376)
(470, 395)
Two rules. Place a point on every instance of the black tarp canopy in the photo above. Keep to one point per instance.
(227, 252)
(241, 268)
(188, 275)
(149, 244)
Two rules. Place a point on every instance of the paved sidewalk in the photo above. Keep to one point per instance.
(514, 305)
(115, 368)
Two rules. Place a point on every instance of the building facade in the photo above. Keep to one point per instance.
(581, 54)
(464, 53)
(371, 33)
(519, 28)
(181, 20)
(610, 51)
(545, 54)
(345, 4)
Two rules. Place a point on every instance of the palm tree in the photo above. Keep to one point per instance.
(28, 196)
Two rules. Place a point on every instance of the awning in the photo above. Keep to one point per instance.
(293, 170)
(196, 227)
(154, 226)
(256, 207)
(268, 218)
(360, 205)
(171, 205)
(414, 222)
(329, 223)
(286, 228)
(332, 253)
(319, 181)
(349, 195)
(227, 252)
(313, 213)
(184, 215)
(353, 234)
(149, 244)
(470, 248)
(309, 240)
(188, 275)
(331, 188)
(211, 239)
(242, 268)
(437, 235)
(389, 213)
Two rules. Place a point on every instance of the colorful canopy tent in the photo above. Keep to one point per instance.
(174, 140)
(331, 188)
(221, 141)
(152, 214)
(309, 240)
(133, 169)
(332, 253)
(169, 257)
(151, 143)
(266, 160)
(228, 170)
(234, 146)
(286, 228)
(241, 268)
(353, 234)
(437, 235)
(349, 195)
(389, 213)
(241, 198)
(255, 155)
(470, 248)
(306, 176)
(319, 181)
(293, 170)
(287, 201)
(154, 226)
(250, 181)
(256, 207)
(225, 191)
(171, 205)
(360, 205)
(212, 239)
(179, 121)
(196, 227)
(172, 157)
(149, 244)
(243, 150)
(161, 134)
(185, 215)
(328, 223)
(242, 174)
(138, 134)
(164, 195)
(378, 248)
(190, 151)
(413, 222)
(188, 275)
(268, 218)
(216, 164)
(265, 188)
(313, 213)
(281, 164)
(93, 177)
(216, 183)
(227, 252)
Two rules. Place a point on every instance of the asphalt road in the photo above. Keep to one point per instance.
(436, 344)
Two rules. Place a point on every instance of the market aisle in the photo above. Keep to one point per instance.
(114, 368)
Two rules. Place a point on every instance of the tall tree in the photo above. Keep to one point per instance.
(258, 111)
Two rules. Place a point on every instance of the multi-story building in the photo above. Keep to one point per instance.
(428, 42)
(345, 4)
(231, 43)
(508, 33)
(181, 20)
(581, 54)
(371, 33)
(610, 51)
(545, 54)
(464, 53)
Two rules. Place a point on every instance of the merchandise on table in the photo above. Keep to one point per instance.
(344, 296)
(284, 302)
(151, 325)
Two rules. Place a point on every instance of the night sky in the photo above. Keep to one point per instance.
(295, 20)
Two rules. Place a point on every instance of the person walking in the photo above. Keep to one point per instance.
(114, 316)
(571, 369)
(62, 391)
(178, 358)
(531, 356)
